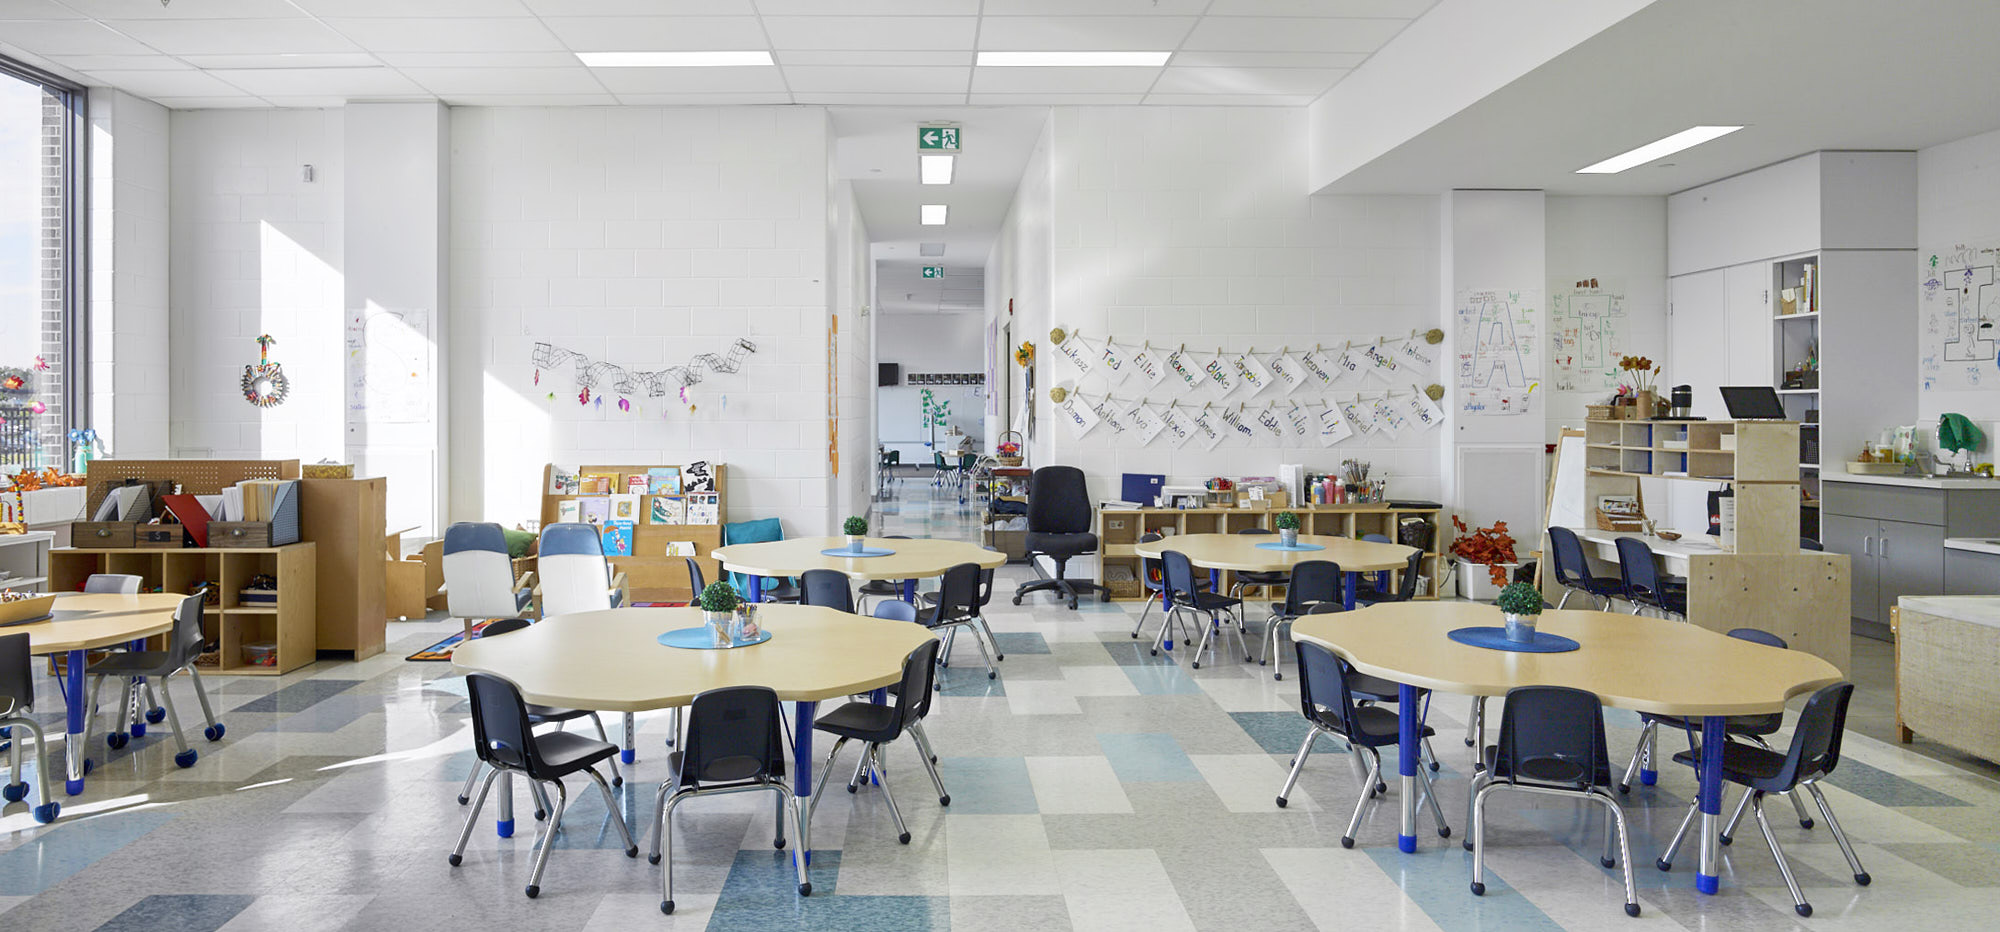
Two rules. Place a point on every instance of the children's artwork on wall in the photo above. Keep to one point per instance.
(1302, 425)
(264, 384)
(1184, 372)
(1499, 350)
(1112, 361)
(1207, 428)
(1221, 376)
(1179, 427)
(1319, 370)
(1144, 423)
(1147, 362)
(1422, 410)
(1286, 373)
(1382, 361)
(657, 383)
(1958, 305)
(1333, 426)
(1252, 374)
(1587, 336)
(1079, 416)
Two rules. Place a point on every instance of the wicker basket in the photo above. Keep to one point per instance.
(1620, 521)
(1009, 460)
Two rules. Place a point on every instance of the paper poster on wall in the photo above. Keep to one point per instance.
(1077, 415)
(1319, 370)
(1958, 309)
(1273, 424)
(1111, 362)
(1303, 427)
(1238, 424)
(1219, 374)
(1423, 412)
(1179, 427)
(1207, 429)
(388, 366)
(1333, 426)
(1286, 373)
(1183, 370)
(1385, 362)
(1148, 364)
(1144, 423)
(1390, 416)
(1499, 350)
(1250, 372)
(1586, 336)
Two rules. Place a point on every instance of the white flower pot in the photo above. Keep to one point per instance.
(1474, 583)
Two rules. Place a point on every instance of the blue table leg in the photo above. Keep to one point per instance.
(1409, 724)
(910, 591)
(756, 588)
(77, 705)
(629, 752)
(1713, 735)
(138, 696)
(803, 714)
(1648, 775)
(1352, 591)
(505, 825)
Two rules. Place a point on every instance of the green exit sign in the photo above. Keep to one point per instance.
(934, 271)
(937, 138)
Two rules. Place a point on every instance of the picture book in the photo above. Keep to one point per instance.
(596, 509)
(668, 510)
(698, 477)
(680, 548)
(569, 511)
(664, 480)
(596, 484)
(617, 539)
(704, 509)
(560, 477)
(625, 508)
(635, 484)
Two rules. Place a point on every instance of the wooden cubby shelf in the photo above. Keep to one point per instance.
(290, 623)
(1119, 530)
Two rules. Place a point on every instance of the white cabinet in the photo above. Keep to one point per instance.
(1748, 292)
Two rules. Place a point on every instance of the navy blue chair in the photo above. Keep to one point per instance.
(1573, 570)
(1155, 581)
(1183, 596)
(1643, 584)
(1313, 583)
(735, 744)
(538, 715)
(1406, 585)
(1245, 579)
(17, 694)
(826, 589)
(881, 588)
(1329, 706)
(874, 725)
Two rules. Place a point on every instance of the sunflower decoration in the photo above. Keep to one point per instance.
(264, 384)
(1024, 354)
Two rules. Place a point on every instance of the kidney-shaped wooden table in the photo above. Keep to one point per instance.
(612, 661)
(914, 558)
(1630, 662)
(82, 622)
(1240, 553)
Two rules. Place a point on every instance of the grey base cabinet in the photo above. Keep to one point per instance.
(1896, 536)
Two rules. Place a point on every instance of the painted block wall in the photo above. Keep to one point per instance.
(1958, 201)
(854, 488)
(947, 342)
(128, 267)
(1017, 296)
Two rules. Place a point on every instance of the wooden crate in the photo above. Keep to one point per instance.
(238, 534)
(102, 534)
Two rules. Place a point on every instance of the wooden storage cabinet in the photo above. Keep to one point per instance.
(228, 621)
(1119, 530)
(347, 518)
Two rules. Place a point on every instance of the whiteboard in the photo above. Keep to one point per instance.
(1567, 495)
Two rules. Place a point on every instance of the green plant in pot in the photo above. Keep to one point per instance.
(1288, 527)
(719, 601)
(856, 529)
(1522, 604)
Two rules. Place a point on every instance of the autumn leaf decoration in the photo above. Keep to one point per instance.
(1491, 547)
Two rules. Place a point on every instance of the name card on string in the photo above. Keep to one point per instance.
(1333, 426)
(1078, 353)
(1107, 414)
(1381, 361)
(1233, 419)
(1220, 378)
(1303, 426)
(1250, 372)
(1112, 362)
(1206, 431)
(1286, 373)
(1423, 411)
(1351, 363)
(1319, 372)
(1179, 427)
(1185, 372)
(1147, 362)
(1274, 426)
(1415, 355)
(1390, 416)
(1077, 415)
(1143, 422)
(1360, 415)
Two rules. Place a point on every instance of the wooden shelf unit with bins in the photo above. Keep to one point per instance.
(1119, 530)
(229, 622)
(650, 574)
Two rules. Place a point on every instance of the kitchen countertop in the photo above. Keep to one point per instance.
(1975, 544)
(1913, 482)
(1972, 609)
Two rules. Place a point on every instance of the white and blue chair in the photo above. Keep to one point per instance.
(479, 582)
(575, 575)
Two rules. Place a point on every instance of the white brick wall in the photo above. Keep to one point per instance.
(128, 267)
(1958, 201)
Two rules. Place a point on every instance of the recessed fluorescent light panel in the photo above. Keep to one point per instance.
(933, 215)
(675, 59)
(1073, 59)
(1685, 139)
(935, 169)
(930, 249)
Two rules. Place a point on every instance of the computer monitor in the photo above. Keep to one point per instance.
(1752, 403)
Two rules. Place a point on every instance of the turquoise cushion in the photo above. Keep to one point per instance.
(762, 530)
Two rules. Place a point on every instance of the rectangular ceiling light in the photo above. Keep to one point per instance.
(933, 215)
(1685, 139)
(1073, 59)
(935, 169)
(930, 249)
(675, 59)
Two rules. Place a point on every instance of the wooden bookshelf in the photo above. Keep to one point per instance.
(651, 574)
(1758, 459)
(229, 622)
(1119, 530)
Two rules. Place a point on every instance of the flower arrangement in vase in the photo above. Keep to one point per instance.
(856, 529)
(1644, 375)
(1288, 527)
(1521, 603)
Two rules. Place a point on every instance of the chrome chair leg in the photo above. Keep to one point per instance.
(617, 817)
(1479, 781)
(1475, 728)
(549, 840)
(874, 757)
(617, 779)
(930, 766)
(1616, 818)
(825, 771)
(982, 628)
(1360, 805)
(1298, 766)
(667, 858)
(1729, 829)
(1148, 610)
(174, 719)
(860, 774)
(1799, 806)
(200, 696)
(1567, 592)
(923, 741)
(1825, 810)
(1430, 794)
(1800, 905)
(465, 834)
(1479, 839)
(1666, 859)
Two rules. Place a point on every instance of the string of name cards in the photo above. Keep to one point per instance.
(1325, 421)
(1249, 373)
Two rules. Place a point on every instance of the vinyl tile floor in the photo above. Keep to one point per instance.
(1094, 786)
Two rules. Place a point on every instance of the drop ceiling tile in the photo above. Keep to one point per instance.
(186, 9)
(426, 9)
(188, 83)
(233, 36)
(121, 63)
(71, 37)
(1292, 34)
(690, 80)
(866, 7)
(1095, 7)
(245, 102)
(702, 100)
(1230, 100)
(1053, 100)
(479, 59)
(852, 80)
(1063, 80)
(36, 9)
(1084, 33)
(530, 100)
(310, 102)
(641, 7)
(339, 82)
(303, 60)
(488, 34)
(452, 82)
(658, 33)
(880, 100)
(1268, 59)
(790, 57)
(913, 33)
(1307, 81)
(1394, 9)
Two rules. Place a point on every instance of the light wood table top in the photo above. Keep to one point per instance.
(1630, 662)
(612, 661)
(914, 557)
(1240, 552)
(88, 620)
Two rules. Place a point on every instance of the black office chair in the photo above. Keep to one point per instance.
(826, 589)
(1551, 743)
(876, 725)
(17, 694)
(1059, 528)
(503, 738)
(1815, 751)
(735, 744)
(1573, 571)
(1312, 583)
(1329, 705)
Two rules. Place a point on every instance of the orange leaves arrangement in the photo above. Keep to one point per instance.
(29, 481)
(1491, 546)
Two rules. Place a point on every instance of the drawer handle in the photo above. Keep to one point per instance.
(104, 532)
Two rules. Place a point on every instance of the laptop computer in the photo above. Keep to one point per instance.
(1752, 403)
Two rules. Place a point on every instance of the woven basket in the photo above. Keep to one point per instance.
(1620, 521)
(1009, 460)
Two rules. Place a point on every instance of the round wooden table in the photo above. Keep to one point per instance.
(1630, 662)
(612, 661)
(914, 558)
(87, 621)
(1240, 553)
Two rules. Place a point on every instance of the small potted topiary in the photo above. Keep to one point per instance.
(1522, 604)
(857, 533)
(718, 604)
(1288, 528)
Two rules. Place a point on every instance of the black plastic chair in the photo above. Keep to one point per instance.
(144, 666)
(1406, 584)
(1246, 579)
(931, 599)
(826, 589)
(1644, 586)
(503, 738)
(1330, 707)
(1312, 583)
(1369, 689)
(876, 725)
(1059, 516)
(17, 696)
(1155, 582)
(538, 715)
(695, 583)
(957, 606)
(1183, 596)
(881, 588)
(1572, 568)
(735, 744)
(1551, 743)
(1814, 753)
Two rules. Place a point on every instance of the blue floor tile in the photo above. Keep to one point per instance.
(1160, 680)
(1148, 758)
(299, 696)
(182, 912)
(1282, 732)
(1021, 642)
(1884, 788)
(1439, 882)
(761, 894)
(70, 846)
(978, 785)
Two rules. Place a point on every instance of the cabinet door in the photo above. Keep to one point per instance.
(1856, 538)
(1697, 355)
(1911, 562)
(1750, 324)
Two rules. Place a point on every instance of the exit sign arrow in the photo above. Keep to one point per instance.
(934, 271)
(937, 138)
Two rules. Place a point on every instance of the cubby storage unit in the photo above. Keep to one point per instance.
(227, 621)
(1119, 530)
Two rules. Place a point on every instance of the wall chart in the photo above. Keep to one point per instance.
(1958, 306)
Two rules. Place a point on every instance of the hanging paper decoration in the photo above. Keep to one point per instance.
(1107, 414)
(1147, 363)
(1360, 415)
(653, 384)
(1250, 372)
(1237, 424)
(1073, 349)
(1333, 426)
(583, 396)
(1286, 373)
(1219, 375)
(1185, 370)
(1206, 431)
(1078, 415)
(1382, 361)
(624, 405)
(1423, 412)
(1179, 426)
(1389, 416)
(1319, 372)
(1303, 427)
(264, 384)
(41, 365)
(538, 376)
(1268, 419)
(1143, 422)
(1416, 354)
(1113, 363)
(1352, 362)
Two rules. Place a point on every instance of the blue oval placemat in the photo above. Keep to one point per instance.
(1493, 638)
(700, 638)
(1280, 545)
(27, 621)
(864, 552)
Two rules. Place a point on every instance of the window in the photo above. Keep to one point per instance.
(42, 314)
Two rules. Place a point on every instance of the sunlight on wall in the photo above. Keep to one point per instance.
(299, 305)
(517, 445)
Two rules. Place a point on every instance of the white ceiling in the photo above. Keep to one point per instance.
(314, 53)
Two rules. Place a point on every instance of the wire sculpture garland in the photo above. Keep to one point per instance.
(655, 383)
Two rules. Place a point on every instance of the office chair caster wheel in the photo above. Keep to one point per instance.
(185, 759)
(116, 740)
(1632, 909)
(534, 890)
(1863, 878)
(1282, 801)
(1663, 864)
(46, 812)
(1017, 601)
(1804, 910)
(903, 839)
(1608, 863)
(454, 859)
(653, 858)
(14, 792)
(156, 715)
(805, 889)
(1444, 831)
(945, 800)
(215, 732)
(1478, 889)
(1346, 842)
